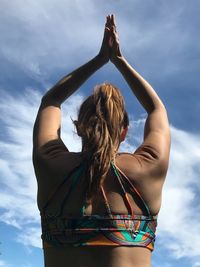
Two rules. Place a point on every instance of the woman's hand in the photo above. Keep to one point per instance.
(110, 49)
(104, 51)
(113, 43)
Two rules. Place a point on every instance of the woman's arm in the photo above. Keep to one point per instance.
(72, 81)
(139, 86)
(47, 124)
(156, 143)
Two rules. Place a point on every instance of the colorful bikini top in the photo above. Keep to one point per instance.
(97, 230)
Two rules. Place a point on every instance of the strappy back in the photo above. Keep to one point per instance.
(78, 171)
(97, 230)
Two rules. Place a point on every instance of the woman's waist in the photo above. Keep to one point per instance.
(107, 256)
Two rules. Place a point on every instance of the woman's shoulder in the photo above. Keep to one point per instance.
(126, 162)
(55, 150)
(54, 160)
(138, 169)
(141, 163)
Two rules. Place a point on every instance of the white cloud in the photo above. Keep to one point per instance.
(179, 216)
(30, 237)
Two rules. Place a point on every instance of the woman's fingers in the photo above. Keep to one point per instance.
(113, 19)
(108, 22)
(113, 38)
(111, 28)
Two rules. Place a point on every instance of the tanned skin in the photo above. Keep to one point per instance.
(146, 166)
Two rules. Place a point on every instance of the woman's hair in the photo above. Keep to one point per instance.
(101, 119)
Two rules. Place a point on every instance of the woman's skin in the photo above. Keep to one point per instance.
(146, 167)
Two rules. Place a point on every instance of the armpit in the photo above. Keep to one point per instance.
(148, 152)
(51, 149)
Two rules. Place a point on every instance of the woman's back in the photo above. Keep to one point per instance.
(62, 164)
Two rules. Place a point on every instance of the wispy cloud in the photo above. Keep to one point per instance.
(30, 237)
(48, 32)
(179, 217)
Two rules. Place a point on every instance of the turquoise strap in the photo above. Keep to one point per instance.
(83, 210)
(120, 180)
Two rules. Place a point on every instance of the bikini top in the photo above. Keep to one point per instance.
(59, 230)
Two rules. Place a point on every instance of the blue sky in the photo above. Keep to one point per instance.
(43, 40)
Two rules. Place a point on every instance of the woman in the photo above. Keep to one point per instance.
(99, 207)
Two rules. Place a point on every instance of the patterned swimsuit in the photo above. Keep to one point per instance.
(98, 230)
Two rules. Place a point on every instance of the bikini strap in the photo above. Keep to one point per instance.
(118, 173)
(108, 209)
(106, 202)
(123, 189)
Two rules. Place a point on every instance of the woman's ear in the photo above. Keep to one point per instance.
(123, 134)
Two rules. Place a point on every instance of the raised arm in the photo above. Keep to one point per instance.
(156, 145)
(47, 124)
